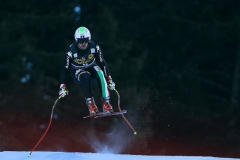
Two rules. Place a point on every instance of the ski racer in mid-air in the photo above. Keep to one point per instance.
(85, 60)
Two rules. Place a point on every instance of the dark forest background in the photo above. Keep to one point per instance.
(176, 64)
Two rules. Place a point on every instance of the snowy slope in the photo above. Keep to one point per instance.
(37, 155)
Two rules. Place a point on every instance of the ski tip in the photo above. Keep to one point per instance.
(135, 132)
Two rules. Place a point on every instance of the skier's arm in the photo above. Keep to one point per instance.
(101, 62)
(63, 73)
(103, 65)
(65, 67)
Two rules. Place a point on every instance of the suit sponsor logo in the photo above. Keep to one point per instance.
(67, 64)
(69, 54)
(92, 50)
(100, 56)
(83, 60)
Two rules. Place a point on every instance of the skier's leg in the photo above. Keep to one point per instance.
(84, 78)
(98, 73)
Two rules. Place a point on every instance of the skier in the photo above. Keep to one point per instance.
(87, 64)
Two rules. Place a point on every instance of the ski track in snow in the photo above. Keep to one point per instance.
(40, 155)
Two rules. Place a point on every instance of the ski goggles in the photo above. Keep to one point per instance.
(82, 40)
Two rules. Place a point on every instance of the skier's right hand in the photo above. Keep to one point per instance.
(63, 90)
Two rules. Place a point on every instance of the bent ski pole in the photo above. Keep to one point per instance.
(46, 129)
(119, 108)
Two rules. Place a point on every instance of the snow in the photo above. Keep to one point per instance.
(41, 155)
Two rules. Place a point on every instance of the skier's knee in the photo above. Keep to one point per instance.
(81, 74)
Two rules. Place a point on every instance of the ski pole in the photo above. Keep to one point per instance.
(119, 108)
(47, 127)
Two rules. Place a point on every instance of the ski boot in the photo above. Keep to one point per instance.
(92, 106)
(107, 107)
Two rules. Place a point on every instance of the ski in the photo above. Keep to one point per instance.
(105, 114)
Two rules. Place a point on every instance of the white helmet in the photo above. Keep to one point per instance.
(82, 34)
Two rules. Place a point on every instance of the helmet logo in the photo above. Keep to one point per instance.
(81, 30)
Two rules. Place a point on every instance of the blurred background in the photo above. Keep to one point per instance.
(176, 65)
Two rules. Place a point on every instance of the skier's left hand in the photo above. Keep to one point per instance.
(110, 83)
